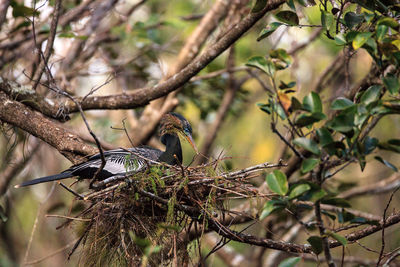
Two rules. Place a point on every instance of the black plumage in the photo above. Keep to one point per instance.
(129, 161)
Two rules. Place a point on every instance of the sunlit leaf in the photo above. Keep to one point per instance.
(327, 21)
(289, 17)
(341, 103)
(281, 54)
(381, 31)
(299, 190)
(360, 39)
(262, 64)
(390, 22)
(307, 144)
(312, 102)
(268, 30)
(371, 94)
(340, 39)
(277, 182)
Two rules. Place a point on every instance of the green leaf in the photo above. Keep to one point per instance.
(387, 163)
(381, 31)
(289, 262)
(281, 54)
(307, 144)
(271, 206)
(327, 21)
(67, 35)
(371, 94)
(370, 143)
(340, 39)
(263, 64)
(392, 84)
(309, 164)
(351, 19)
(283, 85)
(259, 5)
(338, 237)
(267, 210)
(312, 102)
(309, 119)
(317, 195)
(19, 10)
(296, 105)
(360, 39)
(343, 123)
(324, 136)
(299, 190)
(277, 182)
(390, 22)
(265, 107)
(289, 17)
(344, 216)
(290, 3)
(316, 244)
(341, 103)
(268, 30)
(370, 5)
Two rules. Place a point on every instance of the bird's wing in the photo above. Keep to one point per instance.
(118, 162)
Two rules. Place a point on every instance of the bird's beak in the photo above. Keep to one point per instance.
(191, 142)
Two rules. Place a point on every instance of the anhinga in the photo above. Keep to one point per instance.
(132, 160)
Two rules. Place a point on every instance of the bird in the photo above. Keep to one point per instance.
(132, 160)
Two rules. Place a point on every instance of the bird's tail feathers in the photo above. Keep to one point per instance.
(50, 178)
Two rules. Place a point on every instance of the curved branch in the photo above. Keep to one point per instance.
(143, 96)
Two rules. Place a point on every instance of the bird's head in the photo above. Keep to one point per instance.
(174, 123)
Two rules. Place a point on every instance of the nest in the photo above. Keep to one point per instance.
(142, 219)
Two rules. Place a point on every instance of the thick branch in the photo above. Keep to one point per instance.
(66, 143)
(143, 96)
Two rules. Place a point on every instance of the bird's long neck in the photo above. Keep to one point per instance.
(173, 147)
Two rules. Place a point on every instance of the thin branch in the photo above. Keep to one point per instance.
(13, 169)
(226, 102)
(49, 45)
(380, 187)
(383, 229)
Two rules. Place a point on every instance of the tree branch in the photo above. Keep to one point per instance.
(65, 142)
